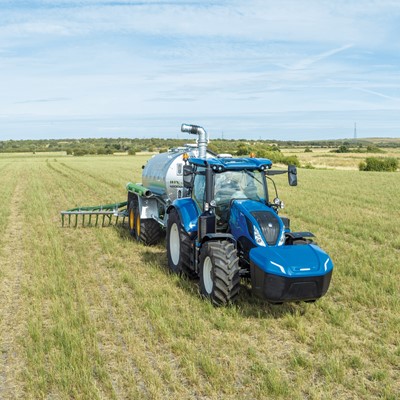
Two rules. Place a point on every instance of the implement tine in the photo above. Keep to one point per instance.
(107, 212)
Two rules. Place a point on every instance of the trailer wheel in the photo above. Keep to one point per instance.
(131, 218)
(147, 231)
(178, 246)
(219, 272)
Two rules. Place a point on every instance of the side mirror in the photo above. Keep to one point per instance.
(188, 176)
(292, 175)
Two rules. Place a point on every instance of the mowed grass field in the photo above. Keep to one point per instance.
(323, 158)
(88, 313)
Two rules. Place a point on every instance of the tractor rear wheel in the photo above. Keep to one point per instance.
(219, 272)
(178, 246)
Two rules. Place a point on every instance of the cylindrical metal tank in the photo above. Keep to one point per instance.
(163, 173)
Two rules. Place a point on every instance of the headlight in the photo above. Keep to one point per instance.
(278, 202)
(257, 237)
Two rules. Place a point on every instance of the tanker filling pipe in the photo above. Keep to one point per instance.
(139, 189)
(203, 137)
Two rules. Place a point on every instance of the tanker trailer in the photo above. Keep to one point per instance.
(162, 183)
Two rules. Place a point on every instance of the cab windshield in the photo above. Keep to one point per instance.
(242, 184)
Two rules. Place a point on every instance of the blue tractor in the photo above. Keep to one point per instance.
(226, 228)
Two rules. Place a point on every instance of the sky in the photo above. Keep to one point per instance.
(281, 70)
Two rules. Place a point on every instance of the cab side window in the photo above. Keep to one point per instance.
(199, 187)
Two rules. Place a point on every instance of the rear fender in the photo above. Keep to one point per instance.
(148, 207)
(188, 213)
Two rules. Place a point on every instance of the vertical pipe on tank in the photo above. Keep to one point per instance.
(202, 140)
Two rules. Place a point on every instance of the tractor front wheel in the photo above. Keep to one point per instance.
(219, 272)
(178, 246)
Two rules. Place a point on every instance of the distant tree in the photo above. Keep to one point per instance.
(341, 149)
(389, 164)
(371, 148)
(80, 152)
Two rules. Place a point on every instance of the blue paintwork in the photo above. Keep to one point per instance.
(303, 260)
(294, 261)
(233, 164)
(243, 208)
(188, 212)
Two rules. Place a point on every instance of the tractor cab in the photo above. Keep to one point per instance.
(229, 180)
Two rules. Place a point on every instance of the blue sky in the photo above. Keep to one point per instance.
(290, 70)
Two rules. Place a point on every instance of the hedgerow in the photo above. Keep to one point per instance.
(389, 164)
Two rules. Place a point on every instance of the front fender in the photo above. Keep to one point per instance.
(188, 213)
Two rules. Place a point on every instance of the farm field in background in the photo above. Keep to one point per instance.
(88, 313)
(323, 158)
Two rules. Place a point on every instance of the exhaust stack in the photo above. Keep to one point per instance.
(202, 140)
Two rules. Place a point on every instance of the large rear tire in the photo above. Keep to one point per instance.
(131, 218)
(178, 246)
(147, 231)
(219, 272)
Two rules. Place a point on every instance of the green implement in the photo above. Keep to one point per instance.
(139, 189)
(91, 215)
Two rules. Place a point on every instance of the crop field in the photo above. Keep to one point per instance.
(87, 313)
(323, 158)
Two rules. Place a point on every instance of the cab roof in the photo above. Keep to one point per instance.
(232, 164)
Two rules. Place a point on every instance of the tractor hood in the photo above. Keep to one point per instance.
(259, 218)
(292, 260)
(274, 256)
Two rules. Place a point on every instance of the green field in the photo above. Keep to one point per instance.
(89, 314)
(323, 158)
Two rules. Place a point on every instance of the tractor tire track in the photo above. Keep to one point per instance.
(12, 323)
(92, 189)
(96, 178)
